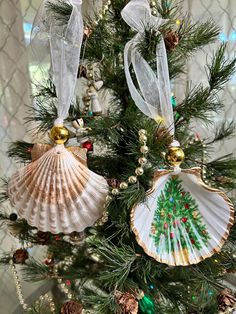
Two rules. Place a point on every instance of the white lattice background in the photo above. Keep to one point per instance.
(17, 66)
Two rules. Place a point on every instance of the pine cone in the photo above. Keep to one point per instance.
(72, 307)
(226, 300)
(43, 237)
(171, 40)
(20, 256)
(128, 302)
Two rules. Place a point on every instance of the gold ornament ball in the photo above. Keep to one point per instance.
(132, 179)
(154, 12)
(123, 186)
(142, 132)
(153, 4)
(59, 134)
(142, 138)
(142, 160)
(144, 149)
(175, 156)
(139, 171)
(115, 192)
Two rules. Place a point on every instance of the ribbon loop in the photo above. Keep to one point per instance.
(65, 43)
(153, 97)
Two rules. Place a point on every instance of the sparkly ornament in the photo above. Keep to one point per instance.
(72, 307)
(20, 256)
(53, 193)
(88, 145)
(127, 302)
(59, 134)
(190, 219)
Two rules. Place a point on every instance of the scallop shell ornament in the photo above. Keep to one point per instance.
(57, 192)
(182, 221)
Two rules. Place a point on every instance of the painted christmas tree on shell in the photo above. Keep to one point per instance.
(177, 220)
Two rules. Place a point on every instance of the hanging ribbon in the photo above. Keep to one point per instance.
(65, 45)
(154, 95)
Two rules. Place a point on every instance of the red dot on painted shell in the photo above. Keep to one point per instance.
(184, 219)
(186, 206)
(172, 235)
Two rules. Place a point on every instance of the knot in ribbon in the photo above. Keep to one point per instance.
(154, 95)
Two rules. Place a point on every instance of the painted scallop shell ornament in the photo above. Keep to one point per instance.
(182, 221)
(57, 192)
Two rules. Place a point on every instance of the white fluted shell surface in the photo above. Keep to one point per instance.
(182, 221)
(57, 192)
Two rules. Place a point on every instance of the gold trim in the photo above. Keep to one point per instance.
(197, 172)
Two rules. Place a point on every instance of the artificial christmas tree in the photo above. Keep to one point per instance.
(128, 148)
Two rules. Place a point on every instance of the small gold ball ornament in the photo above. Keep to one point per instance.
(139, 171)
(123, 186)
(132, 179)
(175, 156)
(59, 134)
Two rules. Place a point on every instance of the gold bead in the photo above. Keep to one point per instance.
(139, 171)
(108, 199)
(153, 4)
(115, 192)
(90, 75)
(175, 156)
(59, 134)
(154, 12)
(142, 132)
(123, 186)
(132, 179)
(144, 149)
(142, 160)
(142, 138)
(86, 98)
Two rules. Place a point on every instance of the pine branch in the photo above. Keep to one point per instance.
(20, 151)
(226, 130)
(220, 70)
(200, 104)
(61, 10)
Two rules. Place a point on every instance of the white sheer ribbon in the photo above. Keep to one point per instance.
(154, 97)
(65, 45)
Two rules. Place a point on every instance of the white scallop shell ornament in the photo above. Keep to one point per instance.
(182, 221)
(57, 192)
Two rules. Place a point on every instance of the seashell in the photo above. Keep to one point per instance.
(39, 150)
(182, 221)
(58, 193)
